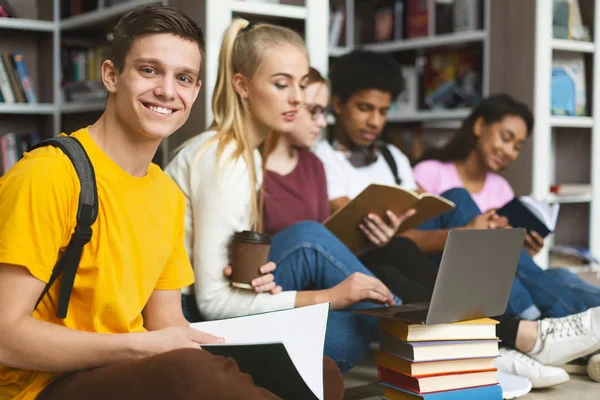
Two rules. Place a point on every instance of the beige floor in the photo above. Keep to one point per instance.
(360, 385)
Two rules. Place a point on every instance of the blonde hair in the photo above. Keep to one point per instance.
(242, 51)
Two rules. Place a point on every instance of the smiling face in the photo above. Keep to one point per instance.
(500, 143)
(276, 91)
(155, 91)
(311, 116)
(363, 116)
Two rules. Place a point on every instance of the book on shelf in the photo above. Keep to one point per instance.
(567, 22)
(281, 350)
(571, 189)
(336, 25)
(467, 15)
(568, 85)
(13, 146)
(417, 18)
(15, 82)
(531, 214)
(377, 199)
(7, 10)
(71, 8)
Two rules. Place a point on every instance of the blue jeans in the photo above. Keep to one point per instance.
(535, 292)
(309, 257)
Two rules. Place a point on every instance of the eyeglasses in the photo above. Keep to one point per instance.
(315, 110)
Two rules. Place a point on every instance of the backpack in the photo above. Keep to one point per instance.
(389, 159)
(87, 211)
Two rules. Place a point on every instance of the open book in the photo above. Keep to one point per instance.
(531, 214)
(281, 350)
(378, 199)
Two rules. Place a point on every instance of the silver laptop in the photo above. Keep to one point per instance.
(474, 279)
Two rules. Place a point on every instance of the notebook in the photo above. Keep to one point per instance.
(281, 350)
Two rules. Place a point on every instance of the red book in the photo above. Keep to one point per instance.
(417, 18)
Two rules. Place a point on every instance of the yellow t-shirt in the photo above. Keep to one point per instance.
(137, 244)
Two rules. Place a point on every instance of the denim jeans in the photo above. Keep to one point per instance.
(536, 292)
(309, 257)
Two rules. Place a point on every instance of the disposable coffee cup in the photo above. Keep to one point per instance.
(249, 251)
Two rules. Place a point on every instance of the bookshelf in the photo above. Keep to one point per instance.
(41, 34)
(563, 149)
(358, 22)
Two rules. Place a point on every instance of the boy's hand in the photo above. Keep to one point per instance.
(265, 283)
(378, 231)
(180, 337)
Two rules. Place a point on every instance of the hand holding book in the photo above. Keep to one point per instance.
(380, 232)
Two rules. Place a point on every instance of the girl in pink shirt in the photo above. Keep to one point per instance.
(488, 141)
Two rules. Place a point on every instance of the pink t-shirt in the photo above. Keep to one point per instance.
(437, 177)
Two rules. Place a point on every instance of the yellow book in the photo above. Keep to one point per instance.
(483, 328)
(377, 199)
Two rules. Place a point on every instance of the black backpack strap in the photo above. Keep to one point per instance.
(389, 159)
(87, 211)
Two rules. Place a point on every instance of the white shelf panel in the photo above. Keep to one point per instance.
(338, 51)
(573, 45)
(582, 198)
(571, 122)
(27, 109)
(73, 108)
(429, 41)
(271, 10)
(422, 116)
(101, 15)
(26, 24)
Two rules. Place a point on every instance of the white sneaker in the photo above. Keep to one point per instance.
(513, 386)
(593, 367)
(516, 363)
(568, 338)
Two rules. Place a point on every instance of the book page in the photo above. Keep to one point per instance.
(301, 330)
(545, 212)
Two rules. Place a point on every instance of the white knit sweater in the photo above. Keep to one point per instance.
(217, 201)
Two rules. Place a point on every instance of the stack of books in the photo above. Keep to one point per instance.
(438, 362)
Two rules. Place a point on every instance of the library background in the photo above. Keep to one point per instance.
(452, 53)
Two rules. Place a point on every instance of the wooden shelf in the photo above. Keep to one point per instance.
(74, 108)
(571, 122)
(271, 10)
(101, 15)
(27, 109)
(429, 41)
(32, 25)
(573, 45)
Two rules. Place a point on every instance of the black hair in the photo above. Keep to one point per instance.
(363, 70)
(492, 109)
